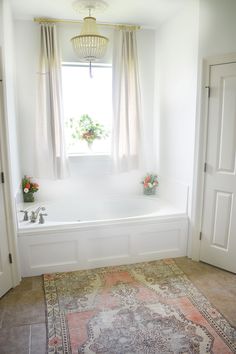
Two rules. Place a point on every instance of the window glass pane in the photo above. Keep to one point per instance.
(91, 97)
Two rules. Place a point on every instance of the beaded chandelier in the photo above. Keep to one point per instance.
(89, 44)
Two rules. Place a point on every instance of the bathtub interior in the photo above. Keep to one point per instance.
(71, 211)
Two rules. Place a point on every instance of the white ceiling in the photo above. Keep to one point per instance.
(147, 13)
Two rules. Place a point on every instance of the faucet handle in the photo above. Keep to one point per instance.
(41, 218)
(26, 216)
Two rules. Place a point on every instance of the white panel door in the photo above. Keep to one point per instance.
(218, 244)
(5, 267)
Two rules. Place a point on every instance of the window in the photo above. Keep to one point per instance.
(88, 109)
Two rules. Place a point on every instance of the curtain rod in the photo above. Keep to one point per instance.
(113, 25)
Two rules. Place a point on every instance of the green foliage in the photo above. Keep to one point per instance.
(28, 185)
(86, 129)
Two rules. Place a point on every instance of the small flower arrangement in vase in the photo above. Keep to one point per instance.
(85, 128)
(150, 184)
(29, 188)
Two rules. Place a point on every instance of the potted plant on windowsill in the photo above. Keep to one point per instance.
(29, 188)
(86, 129)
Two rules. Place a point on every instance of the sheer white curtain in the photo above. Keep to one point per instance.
(51, 160)
(126, 102)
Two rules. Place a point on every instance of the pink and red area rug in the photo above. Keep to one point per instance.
(146, 308)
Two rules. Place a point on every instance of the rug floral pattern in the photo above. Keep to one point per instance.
(145, 308)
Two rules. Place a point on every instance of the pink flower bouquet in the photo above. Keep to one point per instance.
(29, 188)
(150, 184)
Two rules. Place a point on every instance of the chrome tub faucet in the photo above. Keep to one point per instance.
(26, 216)
(41, 218)
(35, 213)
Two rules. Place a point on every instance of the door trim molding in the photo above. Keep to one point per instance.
(200, 147)
(8, 194)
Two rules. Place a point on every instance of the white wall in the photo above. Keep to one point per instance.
(27, 46)
(91, 174)
(175, 95)
(7, 42)
(217, 28)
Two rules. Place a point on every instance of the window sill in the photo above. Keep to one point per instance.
(92, 154)
(90, 164)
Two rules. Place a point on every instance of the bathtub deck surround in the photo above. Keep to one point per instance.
(107, 232)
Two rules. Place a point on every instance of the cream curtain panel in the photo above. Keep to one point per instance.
(126, 102)
(51, 160)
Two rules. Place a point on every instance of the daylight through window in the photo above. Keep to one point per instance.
(88, 109)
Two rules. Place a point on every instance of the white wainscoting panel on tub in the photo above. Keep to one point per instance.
(45, 251)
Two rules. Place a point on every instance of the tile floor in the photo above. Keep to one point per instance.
(22, 310)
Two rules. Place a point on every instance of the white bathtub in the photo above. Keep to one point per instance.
(94, 233)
